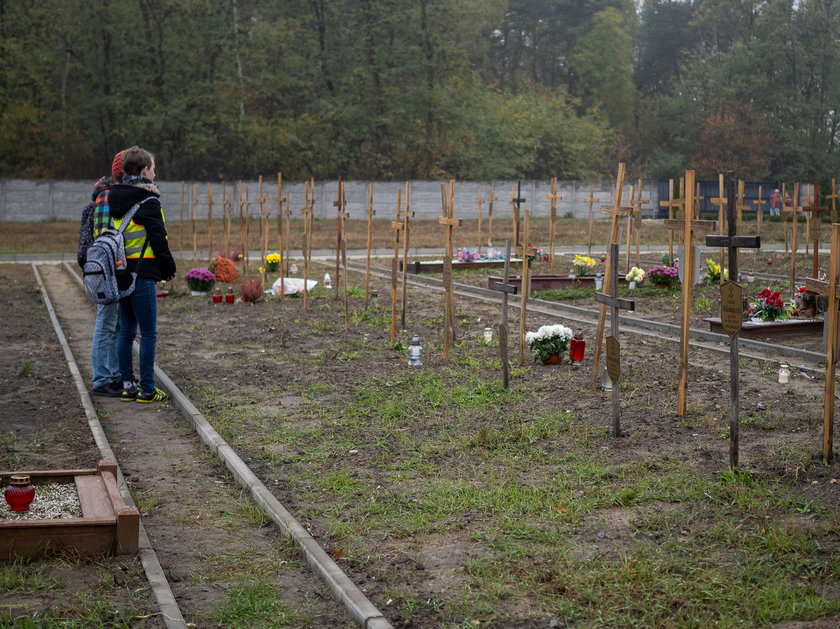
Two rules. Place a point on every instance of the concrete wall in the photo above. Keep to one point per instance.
(40, 200)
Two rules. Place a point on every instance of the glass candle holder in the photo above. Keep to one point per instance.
(577, 347)
(784, 374)
(217, 297)
(488, 335)
(20, 493)
(230, 297)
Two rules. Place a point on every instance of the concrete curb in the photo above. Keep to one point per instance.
(166, 602)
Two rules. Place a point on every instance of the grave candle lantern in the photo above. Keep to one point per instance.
(488, 335)
(230, 297)
(415, 352)
(20, 493)
(327, 280)
(784, 374)
(576, 347)
(599, 281)
(217, 296)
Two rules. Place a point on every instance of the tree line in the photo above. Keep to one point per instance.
(421, 89)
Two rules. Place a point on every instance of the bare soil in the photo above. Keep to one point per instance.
(278, 347)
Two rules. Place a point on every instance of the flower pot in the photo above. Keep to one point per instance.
(663, 286)
(632, 285)
(554, 359)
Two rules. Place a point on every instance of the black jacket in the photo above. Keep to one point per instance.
(150, 215)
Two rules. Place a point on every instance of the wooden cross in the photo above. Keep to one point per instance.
(281, 235)
(833, 196)
(516, 202)
(227, 210)
(759, 212)
(370, 214)
(613, 348)
(590, 201)
(506, 289)
(814, 211)
(397, 225)
(341, 217)
(721, 201)
(688, 284)
(678, 225)
(449, 223)
(616, 210)
(671, 204)
(831, 289)
(741, 206)
(490, 200)
(261, 201)
(552, 225)
(731, 299)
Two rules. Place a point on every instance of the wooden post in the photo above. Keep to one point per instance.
(794, 233)
(814, 210)
(449, 223)
(637, 217)
(308, 205)
(721, 201)
(614, 302)
(516, 202)
(671, 203)
(590, 201)
(247, 246)
(341, 215)
(194, 205)
(261, 202)
(227, 210)
(687, 287)
(833, 196)
(397, 226)
(209, 222)
(552, 226)
(525, 283)
(478, 206)
(759, 213)
(629, 235)
(832, 290)
(490, 201)
(731, 298)
(506, 289)
(370, 213)
(407, 214)
(784, 213)
(181, 219)
(616, 210)
(281, 236)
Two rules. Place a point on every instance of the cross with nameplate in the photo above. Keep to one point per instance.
(731, 308)
(814, 210)
(506, 288)
(616, 211)
(615, 303)
(831, 289)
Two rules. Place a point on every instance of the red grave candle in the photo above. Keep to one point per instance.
(576, 348)
(20, 493)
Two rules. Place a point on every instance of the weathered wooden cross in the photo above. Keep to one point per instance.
(741, 206)
(503, 332)
(814, 210)
(672, 204)
(552, 225)
(831, 289)
(449, 223)
(590, 201)
(616, 211)
(731, 300)
(615, 303)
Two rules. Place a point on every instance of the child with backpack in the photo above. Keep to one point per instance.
(103, 355)
(147, 255)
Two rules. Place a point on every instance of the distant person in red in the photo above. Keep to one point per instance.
(776, 203)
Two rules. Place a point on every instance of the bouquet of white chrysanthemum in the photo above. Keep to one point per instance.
(548, 340)
(635, 275)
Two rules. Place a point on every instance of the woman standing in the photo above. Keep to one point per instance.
(147, 254)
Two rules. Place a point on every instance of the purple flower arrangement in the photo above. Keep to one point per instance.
(664, 275)
(465, 254)
(200, 280)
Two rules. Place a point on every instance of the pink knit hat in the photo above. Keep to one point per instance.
(116, 165)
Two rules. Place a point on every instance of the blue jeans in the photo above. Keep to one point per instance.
(139, 310)
(103, 353)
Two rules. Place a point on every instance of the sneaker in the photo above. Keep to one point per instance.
(129, 394)
(112, 389)
(158, 395)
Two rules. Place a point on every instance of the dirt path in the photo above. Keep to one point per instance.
(208, 537)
